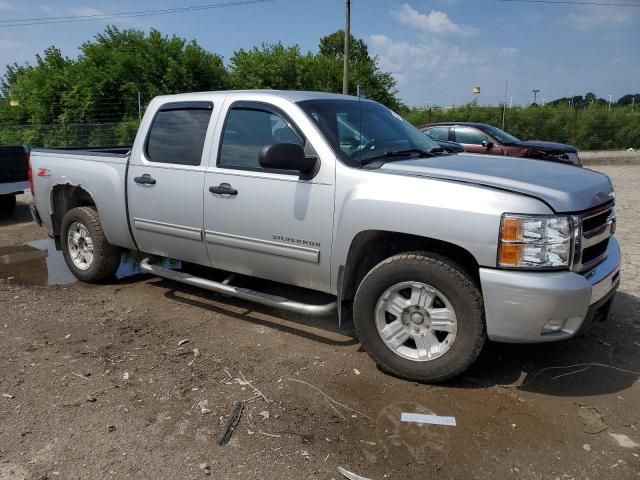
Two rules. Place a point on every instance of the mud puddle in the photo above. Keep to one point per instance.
(39, 263)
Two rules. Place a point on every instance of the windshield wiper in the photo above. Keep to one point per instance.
(389, 155)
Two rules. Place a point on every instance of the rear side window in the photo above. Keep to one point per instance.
(470, 136)
(438, 133)
(177, 134)
(246, 131)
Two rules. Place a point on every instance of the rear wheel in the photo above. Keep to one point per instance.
(7, 204)
(86, 250)
(420, 317)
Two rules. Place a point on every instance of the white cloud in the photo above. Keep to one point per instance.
(591, 16)
(82, 11)
(432, 70)
(6, 6)
(77, 11)
(433, 22)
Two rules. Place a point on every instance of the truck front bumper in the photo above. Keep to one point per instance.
(534, 307)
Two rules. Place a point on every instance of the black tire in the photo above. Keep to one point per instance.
(445, 276)
(7, 204)
(106, 257)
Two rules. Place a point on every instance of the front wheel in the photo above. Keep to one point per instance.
(420, 317)
(86, 250)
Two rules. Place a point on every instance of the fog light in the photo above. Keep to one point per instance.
(554, 325)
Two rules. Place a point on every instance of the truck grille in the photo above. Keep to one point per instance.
(595, 227)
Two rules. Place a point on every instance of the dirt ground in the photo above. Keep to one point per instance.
(97, 382)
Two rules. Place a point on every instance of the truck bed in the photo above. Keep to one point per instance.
(92, 151)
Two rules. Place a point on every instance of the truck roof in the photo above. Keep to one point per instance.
(292, 95)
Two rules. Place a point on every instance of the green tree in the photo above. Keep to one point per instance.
(270, 67)
(59, 98)
(287, 68)
(333, 46)
(364, 69)
(113, 68)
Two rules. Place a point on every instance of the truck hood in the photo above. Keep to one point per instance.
(550, 147)
(564, 188)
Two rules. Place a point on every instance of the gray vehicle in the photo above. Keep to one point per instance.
(14, 161)
(435, 252)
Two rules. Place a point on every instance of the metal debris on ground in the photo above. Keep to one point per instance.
(182, 342)
(430, 419)
(232, 423)
(203, 404)
(8, 395)
(623, 440)
(205, 468)
(264, 414)
(196, 354)
(350, 475)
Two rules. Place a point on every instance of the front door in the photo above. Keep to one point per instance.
(265, 223)
(165, 183)
(472, 141)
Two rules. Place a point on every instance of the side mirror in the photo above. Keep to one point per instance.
(487, 144)
(287, 156)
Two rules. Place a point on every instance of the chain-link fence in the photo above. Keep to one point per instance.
(71, 135)
(588, 129)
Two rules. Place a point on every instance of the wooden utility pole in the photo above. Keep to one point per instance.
(347, 39)
(504, 105)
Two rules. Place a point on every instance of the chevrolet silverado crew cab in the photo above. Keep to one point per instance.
(435, 252)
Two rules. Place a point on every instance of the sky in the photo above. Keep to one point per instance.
(438, 50)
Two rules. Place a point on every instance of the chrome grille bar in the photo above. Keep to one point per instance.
(594, 228)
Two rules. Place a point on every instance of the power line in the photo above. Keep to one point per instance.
(117, 15)
(574, 2)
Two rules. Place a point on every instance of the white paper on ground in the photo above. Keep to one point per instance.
(432, 419)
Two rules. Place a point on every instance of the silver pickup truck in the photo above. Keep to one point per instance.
(434, 252)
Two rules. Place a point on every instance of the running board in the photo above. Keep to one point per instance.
(237, 292)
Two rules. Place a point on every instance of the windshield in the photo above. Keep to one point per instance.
(363, 130)
(500, 135)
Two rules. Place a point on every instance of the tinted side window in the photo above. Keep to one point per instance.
(177, 136)
(470, 136)
(247, 131)
(438, 133)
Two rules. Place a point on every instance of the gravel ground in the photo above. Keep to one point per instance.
(96, 382)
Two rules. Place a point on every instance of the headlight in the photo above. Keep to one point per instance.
(535, 242)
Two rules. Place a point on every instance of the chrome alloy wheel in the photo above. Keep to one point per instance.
(416, 321)
(80, 246)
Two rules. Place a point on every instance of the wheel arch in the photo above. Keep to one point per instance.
(65, 197)
(370, 247)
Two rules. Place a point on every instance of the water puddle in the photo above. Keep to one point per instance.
(39, 263)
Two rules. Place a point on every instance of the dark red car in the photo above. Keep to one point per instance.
(487, 139)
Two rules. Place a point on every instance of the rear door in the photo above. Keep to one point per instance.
(439, 133)
(267, 223)
(165, 182)
(471, 139)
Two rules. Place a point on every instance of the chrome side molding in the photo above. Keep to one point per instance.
(243, 293)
